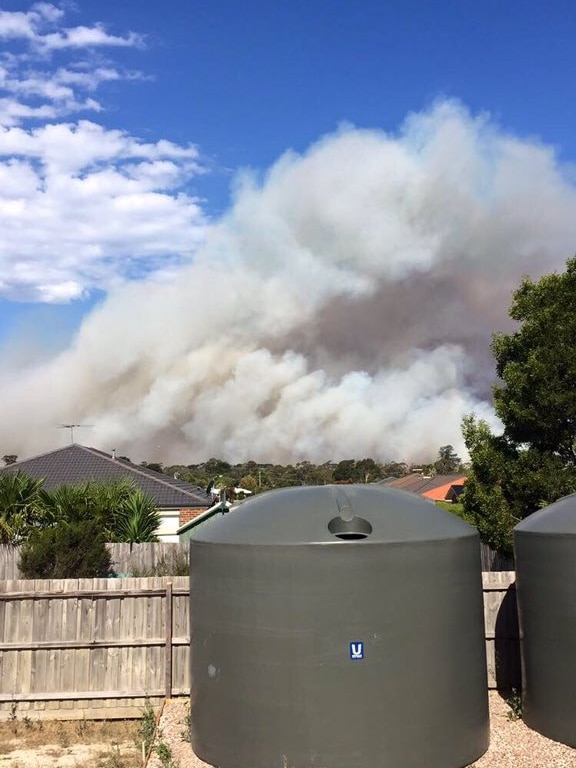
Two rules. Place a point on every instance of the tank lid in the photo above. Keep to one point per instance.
(559, 518)
(333, 514)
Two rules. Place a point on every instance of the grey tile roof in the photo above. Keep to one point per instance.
(77, 464)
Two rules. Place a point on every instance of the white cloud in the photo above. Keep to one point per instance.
(19, 24)
(59, 86)
(33, 39)
(58, 292)
(12, 112)
(81, 205)
(86, 37)
(33, 26)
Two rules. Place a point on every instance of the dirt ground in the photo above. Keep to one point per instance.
(27, 743)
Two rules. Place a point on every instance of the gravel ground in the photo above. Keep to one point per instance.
(512, 744)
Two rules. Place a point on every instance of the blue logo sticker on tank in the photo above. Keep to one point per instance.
(357, 650)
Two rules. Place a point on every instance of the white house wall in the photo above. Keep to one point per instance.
(169, 524)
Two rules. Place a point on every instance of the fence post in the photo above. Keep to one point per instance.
(168, 648)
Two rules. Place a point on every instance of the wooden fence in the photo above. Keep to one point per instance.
(92, 647)
(101, 647)
(492, 561)
(127, 559)
(501, 630)
(135, 559)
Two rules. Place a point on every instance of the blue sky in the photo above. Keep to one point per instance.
(139, 163)
(244, 82)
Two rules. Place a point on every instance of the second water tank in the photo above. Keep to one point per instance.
(545, 554)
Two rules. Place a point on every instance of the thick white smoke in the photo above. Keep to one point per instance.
(342, 308)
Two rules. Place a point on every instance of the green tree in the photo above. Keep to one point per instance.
(395, 469)
(19, 510)
(448, 461)
(533, 462)
(248, 482)
(123, 512)
(367, 471)
(345, 471)
(136, 520)
(537, 363)
(67, 503)
(66, 551)
(214, 467)
(156, 466)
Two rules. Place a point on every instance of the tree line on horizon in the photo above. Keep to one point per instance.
(258, 477)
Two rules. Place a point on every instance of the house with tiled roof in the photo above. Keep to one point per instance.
(436, 488)
(448, 490)
(178, 501)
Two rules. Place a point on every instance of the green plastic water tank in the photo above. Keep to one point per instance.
(545, 553)
(337, 627)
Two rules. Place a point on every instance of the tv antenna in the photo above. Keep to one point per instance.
(72, 427)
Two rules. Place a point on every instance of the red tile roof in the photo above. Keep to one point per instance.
(441, 492)
(435, 488)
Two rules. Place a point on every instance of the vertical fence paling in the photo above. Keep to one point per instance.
(168, 647)
(501, 630)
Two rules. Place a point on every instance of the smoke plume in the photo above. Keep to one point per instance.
(342, 308)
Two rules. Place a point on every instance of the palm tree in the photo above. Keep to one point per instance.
(124, 513)
(137, 520)
(109, 497)
(85, 501)
(66, 503)
(19, 506)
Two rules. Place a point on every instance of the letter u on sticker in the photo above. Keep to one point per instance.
(357, 650)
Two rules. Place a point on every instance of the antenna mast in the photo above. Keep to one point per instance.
(71, 427)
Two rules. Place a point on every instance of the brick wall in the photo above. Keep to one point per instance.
(190, 514)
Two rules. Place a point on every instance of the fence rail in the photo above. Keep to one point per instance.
(102, 647)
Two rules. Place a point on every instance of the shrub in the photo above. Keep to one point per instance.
(175, 564)
(66, 551)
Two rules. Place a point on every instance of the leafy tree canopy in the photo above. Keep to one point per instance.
(537, 364)
(533, 462)
(19, 511)
(448, 461)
